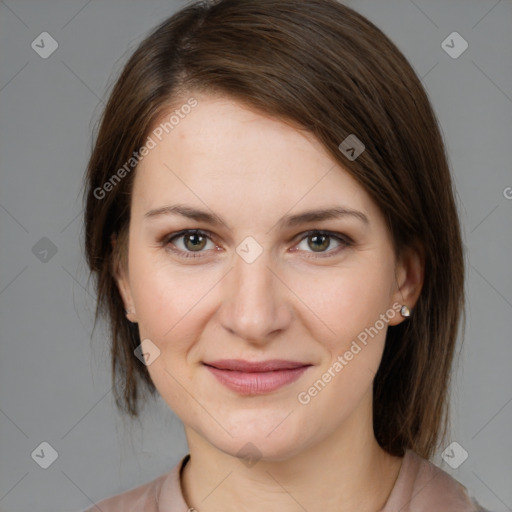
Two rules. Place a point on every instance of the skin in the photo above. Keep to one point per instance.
(292, 302)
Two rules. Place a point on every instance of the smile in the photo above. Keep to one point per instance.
(247, 378)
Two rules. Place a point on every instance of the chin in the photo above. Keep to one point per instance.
(257, 438)
(250, 450)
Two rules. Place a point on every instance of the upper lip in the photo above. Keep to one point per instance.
(255, 366)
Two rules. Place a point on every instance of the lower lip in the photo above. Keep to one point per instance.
(256, 383)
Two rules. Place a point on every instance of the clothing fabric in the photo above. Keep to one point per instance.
(420, 487)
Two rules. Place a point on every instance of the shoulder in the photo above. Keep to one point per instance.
(422, 486)
(148, 497)
(141, 498)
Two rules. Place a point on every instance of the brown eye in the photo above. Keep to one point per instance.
(319, 243)
(188, 243)
(194, 241)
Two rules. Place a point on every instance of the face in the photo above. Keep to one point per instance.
(253, 279)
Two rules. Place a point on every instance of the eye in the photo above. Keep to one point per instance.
(320, 241)
(192, 241)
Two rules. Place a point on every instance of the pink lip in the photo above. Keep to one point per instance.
(254, 378)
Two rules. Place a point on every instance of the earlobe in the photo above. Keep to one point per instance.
(123, 286)
(409, 276)
(120, 275)
(130, 314)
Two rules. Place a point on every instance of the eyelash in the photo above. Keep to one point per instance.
(343, 239)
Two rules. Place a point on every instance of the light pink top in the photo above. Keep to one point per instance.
(420, 487)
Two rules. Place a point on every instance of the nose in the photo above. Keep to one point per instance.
(255, 305)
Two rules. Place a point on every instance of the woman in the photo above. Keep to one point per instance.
(271, 221)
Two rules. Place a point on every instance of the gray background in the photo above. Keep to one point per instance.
(55, 383)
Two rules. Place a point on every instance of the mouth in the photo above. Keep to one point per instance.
(255, 378)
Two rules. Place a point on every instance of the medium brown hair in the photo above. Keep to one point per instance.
(321, 66)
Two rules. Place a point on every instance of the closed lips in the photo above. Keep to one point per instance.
(255, 367)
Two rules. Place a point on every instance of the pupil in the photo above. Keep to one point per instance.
(197, 244)
(324, 245)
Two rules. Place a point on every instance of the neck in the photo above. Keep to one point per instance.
(343, 472)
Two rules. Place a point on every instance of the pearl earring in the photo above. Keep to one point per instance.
(405, 311)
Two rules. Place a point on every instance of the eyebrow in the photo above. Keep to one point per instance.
(286, 221)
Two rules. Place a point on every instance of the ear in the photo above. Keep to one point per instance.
(120, 271)
(409, 276)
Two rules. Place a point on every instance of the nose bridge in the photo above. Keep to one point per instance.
(254, 304)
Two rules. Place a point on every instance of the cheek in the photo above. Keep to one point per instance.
(168, 305)
(354, 344)
(165, 297)
(345, 301)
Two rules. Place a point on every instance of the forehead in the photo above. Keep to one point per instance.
(224, 154)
